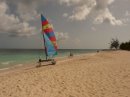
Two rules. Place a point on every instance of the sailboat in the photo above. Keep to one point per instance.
(50, 44)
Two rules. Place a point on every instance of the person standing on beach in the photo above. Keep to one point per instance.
(71, 54)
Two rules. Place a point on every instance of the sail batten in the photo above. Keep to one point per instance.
(49, 37)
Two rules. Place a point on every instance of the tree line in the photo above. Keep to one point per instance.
(116, 45)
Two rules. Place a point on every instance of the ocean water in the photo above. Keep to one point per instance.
(19, 57)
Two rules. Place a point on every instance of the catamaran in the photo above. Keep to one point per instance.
(50, 45)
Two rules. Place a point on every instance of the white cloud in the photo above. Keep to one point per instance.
(18, 23)
(84, 7)
(125, 20)
(80, 13)
(11, 24)
(28, 15)
(26, 12)
(61, 36)
(106, 16)
(70, 2)
(3, 7)
(65, 15)
(127, 13)
(110, 1)
(102, 4)
(81, 10)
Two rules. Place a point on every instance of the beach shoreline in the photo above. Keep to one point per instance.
(102, 74)
(17, 68)
(17, 58)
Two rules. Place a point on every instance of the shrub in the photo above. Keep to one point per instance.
(125, 46)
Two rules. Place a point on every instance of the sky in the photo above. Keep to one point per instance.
(78, 24)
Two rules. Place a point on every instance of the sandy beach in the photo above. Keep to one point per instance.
(103, 74)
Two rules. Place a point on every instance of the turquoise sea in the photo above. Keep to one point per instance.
(18, 57)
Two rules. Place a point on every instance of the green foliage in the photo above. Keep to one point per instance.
(114, 44)
(125, 46)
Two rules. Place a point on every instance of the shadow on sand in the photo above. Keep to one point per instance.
(42, 65)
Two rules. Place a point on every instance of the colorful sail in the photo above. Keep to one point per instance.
(49, 37)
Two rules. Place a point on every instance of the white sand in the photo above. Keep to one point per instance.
(103, 74)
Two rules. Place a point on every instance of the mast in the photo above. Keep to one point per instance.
(44, 42)
(45, 47)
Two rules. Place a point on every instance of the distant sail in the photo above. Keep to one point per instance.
(49, 37)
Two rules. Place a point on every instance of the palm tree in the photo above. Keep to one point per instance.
(114, 43)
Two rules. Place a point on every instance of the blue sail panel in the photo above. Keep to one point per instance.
(50, 49)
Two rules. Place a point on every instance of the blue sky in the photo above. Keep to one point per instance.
(80, 24)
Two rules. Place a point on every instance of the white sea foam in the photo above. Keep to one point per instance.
(7, 62)
(19, 65)
(4, 69)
